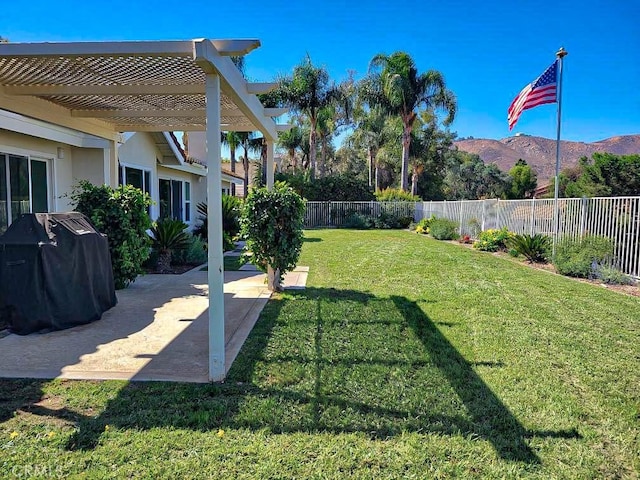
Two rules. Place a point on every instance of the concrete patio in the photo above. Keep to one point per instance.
(158, 331)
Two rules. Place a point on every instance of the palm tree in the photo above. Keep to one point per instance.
(249, 144)
(291, 140)
(308, 91)
(370, 133)
(395, 85)
(232, 140)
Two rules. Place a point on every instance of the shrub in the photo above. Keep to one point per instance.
(121, 214)
(168, 235)
(444, 229)
(493, 240)
(610, 275)
(358, 221)
(194, 254)
(575, 257)
(535, 248)
(272, 222)
(424, 225)
(395, 195)
(231, 207)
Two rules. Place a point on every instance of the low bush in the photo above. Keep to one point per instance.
(231, 208)
(121, 214)
(493, 240)
(195, 252)
(359, 221)
(610, 275)
(575, 257)
(443, 229)
(168, 235)
(424, 225)
(535, 248)
(396, 195)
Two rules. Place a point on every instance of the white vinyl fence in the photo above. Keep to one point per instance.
(617, 218)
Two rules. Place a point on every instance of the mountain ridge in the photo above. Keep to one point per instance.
(540, 152)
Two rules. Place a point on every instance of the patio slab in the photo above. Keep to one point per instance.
(157, 331)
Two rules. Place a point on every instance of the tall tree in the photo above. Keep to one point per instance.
(395, 85)
(523, 181)
(248, 144)
(371, 134)
(308, 91)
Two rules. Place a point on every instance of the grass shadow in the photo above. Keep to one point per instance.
(327, 360)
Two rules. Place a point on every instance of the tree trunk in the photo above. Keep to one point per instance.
(164, 261)
(273, 280)
(312, 148)
(294, 162)
(245, 164)
(377, 167)
(414, 182)
(406, 143)
(323, 166)
(372, 162)
(233, 169)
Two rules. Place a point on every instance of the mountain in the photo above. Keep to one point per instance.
(540, 152)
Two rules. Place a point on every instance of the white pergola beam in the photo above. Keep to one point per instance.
(75, 90)
(261, 87)
(235, 47)
(234, 86)
(171, 48)
(275, 112)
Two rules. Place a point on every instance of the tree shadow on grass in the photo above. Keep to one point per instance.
(326, 360)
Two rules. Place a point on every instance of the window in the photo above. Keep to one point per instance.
(136, 177)
(175, 199)
(23, 187)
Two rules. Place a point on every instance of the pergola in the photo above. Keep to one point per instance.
(104, 88)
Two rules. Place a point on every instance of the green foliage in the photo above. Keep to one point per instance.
(227, 242)
(272, 223)
(493, 240)
(231, 208)
(195, 253)
(467, 177)
(336, 188)
(359, 221)
(523, 181)
(168, 234)
(121, 214)
(424, 225)
(575, 257)
(603, 175)
(444, 229)
(535, 248)
(610, 275)
(396, 195)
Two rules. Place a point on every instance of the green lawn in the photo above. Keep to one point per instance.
(404, 358)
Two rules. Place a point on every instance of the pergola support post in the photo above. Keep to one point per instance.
(270, 152)
(214, 226)
(111, 164)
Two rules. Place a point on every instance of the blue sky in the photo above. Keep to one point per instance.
(487, 50)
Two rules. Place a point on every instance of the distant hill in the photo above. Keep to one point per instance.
(540, 152)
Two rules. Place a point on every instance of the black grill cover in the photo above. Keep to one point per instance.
(55, 273)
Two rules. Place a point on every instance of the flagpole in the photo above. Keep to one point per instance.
(560, 54)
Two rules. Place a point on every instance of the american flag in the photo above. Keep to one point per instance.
(538, 92)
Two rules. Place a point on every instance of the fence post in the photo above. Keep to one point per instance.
(482, 229)
(460, 217)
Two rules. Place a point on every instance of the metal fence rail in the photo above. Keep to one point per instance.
(617, 218)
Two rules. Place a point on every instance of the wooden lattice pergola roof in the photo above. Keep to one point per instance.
(138, 86)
